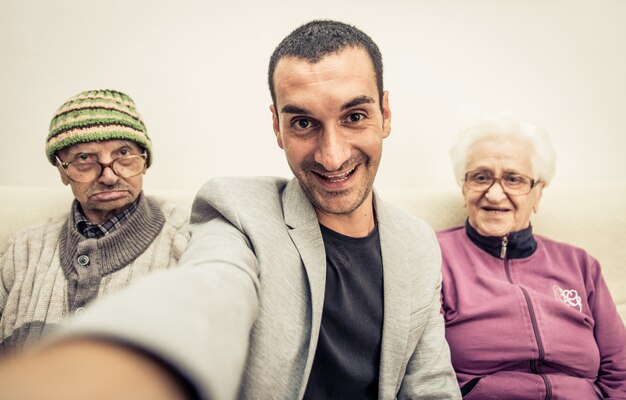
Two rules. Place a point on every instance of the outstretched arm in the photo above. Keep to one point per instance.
(66, 370)
(196, 318)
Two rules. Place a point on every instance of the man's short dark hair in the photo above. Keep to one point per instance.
(317, 39)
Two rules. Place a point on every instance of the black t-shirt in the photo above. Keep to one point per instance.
(347, 358)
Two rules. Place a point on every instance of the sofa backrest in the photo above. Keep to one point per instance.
(591, 217)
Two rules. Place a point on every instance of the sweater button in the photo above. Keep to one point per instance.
(83, 260)
(79, 311)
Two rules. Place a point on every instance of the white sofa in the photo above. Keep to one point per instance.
(591, 216)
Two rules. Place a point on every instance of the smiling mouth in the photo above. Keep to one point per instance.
(496, 210)
(336, 177)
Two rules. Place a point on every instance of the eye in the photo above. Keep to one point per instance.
(479, 177)
(85, 157)
(124, 152)
(356, 117)
(302, 124)
(514, 179)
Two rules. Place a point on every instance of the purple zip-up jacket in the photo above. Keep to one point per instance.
(529, 318)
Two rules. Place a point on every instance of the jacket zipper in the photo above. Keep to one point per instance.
(505, 241)
(533, 319)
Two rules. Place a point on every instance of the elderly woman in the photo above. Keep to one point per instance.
(526, 317)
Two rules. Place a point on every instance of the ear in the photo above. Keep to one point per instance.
(276, 127)
(386, 114)
(64, 178)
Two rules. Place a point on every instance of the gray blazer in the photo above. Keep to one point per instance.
(243, 312)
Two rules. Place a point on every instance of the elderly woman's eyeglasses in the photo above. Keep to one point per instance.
(84, 171)
(511, 183)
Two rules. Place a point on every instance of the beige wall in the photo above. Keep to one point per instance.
(196, 70)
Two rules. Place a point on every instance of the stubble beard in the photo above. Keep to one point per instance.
(338, 202)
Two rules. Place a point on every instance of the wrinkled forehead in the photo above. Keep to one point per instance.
(103, 146)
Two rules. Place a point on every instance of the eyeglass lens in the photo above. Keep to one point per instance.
(124, 167)
(512, 183)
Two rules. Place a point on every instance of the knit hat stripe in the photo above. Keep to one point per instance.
(93, 105)
(93, 133)
(87, 119)
(75, 111)
(106, 95)
(96, 115)
(99, 123)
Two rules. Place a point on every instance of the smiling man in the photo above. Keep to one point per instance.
(330, 123)
(112, 234)
(309, 288)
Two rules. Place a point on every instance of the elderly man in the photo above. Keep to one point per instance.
(310, 288)
(112, 235)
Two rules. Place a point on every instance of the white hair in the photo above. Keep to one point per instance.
(543, 157)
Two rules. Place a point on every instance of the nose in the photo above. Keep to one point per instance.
(332, 149)
(495, 193)
(108, 176)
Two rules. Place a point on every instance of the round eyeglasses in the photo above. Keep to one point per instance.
(511, 183)
(88, 171)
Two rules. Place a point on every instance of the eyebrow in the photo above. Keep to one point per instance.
(291, 109)
(357, 101)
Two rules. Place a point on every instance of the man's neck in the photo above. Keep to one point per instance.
(358, 223)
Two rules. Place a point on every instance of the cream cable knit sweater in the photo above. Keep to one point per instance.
(49, 272)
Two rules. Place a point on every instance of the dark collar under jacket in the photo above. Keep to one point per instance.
(519, 244)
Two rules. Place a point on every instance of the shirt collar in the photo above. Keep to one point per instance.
(96, 231)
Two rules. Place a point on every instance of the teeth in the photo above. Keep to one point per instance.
(338, 177)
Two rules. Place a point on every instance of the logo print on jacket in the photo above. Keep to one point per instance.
(568, 297)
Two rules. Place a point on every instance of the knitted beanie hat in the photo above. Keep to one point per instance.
(93, 116)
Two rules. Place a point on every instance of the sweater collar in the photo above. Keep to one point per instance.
(96, 231)
(119, 248)
(519, 244)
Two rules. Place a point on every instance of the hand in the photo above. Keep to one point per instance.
(93, 369)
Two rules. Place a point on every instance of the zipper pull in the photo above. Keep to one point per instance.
(505, 241)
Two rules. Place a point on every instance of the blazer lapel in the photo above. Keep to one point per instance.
(305, 233)
(396, 297)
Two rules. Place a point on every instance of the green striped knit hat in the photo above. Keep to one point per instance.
(93, 116)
